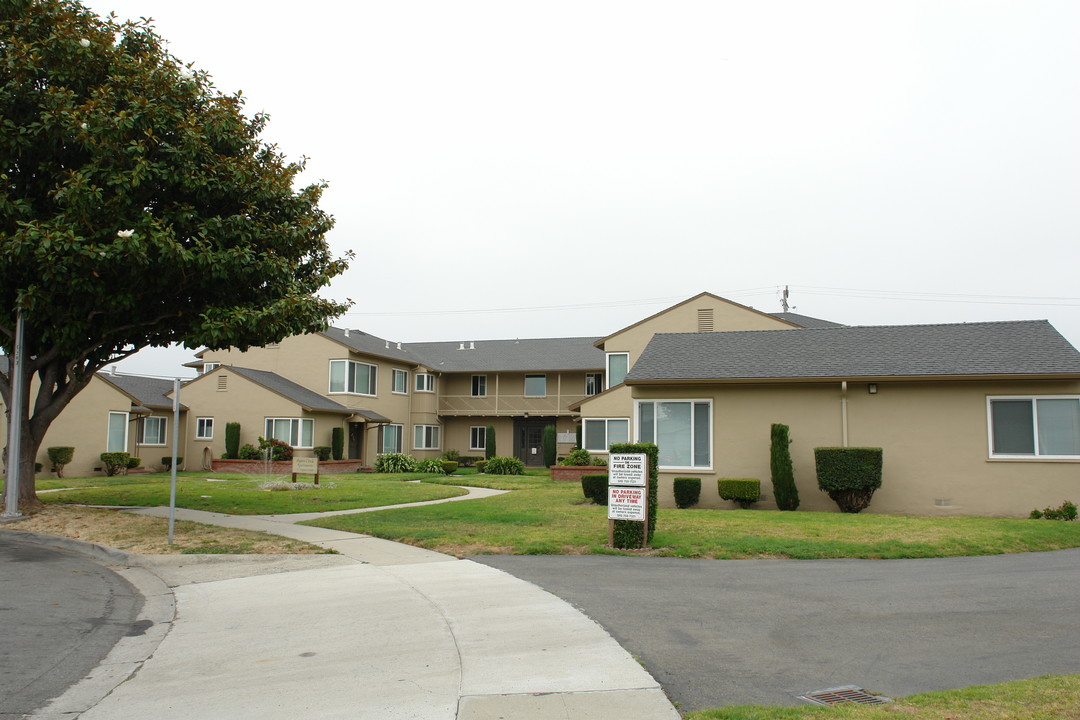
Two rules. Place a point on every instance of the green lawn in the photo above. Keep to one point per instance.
(1043, 698)
(542, 516)
(239, 494)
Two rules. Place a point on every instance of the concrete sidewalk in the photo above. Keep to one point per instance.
(381, 631)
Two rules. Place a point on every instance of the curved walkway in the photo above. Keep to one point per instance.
(381, 631)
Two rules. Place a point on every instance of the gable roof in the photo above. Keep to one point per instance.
(146, 391)
(985, 349)
(307, 399)
(601, 341)
(366, 343)
(805, 321)
(578, 353)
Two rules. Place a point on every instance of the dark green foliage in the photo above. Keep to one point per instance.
(232, 440)
(337, 443)
(395, 463)
(783, 475)
(578, 457)
(115, 462)
(322, 452)
(628, 533)
(594, 487)
(504, 466)
(166, 462)
(249, 452)
(449, 467)
(430, 465)
(489, 442)
(849, 475)
(598, 461)
(1066, 511)
(452, 456)
(745, 491)
(481, 465)
(133, 462)
(59, 457)
(279, 450)
(550, 446)
(37, 467)
(687, 491)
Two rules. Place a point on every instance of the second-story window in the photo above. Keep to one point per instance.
(618, 364)
(535, 385)
(594, 383)
(401, 382)
(425, 382)
(349, 376)
(479, 385)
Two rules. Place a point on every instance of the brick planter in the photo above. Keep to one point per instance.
(254, 467)
(573, 473)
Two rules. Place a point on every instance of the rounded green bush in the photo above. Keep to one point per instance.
(687, 491)
(595, 487)
(504, 466)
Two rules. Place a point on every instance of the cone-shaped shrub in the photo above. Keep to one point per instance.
(783, 476)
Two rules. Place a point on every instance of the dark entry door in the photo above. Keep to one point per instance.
(529, 440)
(356, 441)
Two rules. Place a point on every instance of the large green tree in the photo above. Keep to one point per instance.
(138, 208)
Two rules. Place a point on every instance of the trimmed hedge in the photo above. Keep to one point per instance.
(337, 443)
(745, 491)
(322, 452)
(166, 462)
(115, 462)
(849, 475)
(59, 457)
(449, 467)
(687, 491)
(232, 440)
(781, 471)
(481, 465)
(628, 533)
(594, 487)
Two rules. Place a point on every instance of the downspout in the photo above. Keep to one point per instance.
(843, 413)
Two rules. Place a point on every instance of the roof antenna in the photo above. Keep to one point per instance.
(784, 298)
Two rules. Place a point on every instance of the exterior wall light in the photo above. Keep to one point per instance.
(872, 388)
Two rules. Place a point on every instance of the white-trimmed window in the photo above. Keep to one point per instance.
(478, 437)
(401, 382)
(425, 437)
(295, 432)
(204, 428)
(425, 382)
(1045, 426)
(350, 376)
(618, 364)
(594, 383)
(151, 431)
(116, 440)
(682, 429)
(479, 385)
(535, 385)
(208, 367)
(390, 439)
(599, 434)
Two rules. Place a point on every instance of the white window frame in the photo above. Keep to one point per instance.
(525, 386)
(607, 432)
(479, 382)
(373, 376)
(296, 431)
(607, 368)
(202, 424)
(427, 437)
(693, 419)
(126, 418)
(210, 367)
(597, 379)
(399, 373)
(399, 445)
(425, 382)
(481, 435)
(1033, 399)
(140, 436)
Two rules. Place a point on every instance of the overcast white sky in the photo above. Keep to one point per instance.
(595, 161)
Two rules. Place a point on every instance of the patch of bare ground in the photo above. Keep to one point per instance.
(149, 535)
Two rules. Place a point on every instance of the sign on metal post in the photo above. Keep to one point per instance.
(628, 492)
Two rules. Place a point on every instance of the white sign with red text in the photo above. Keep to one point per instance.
(626, 503)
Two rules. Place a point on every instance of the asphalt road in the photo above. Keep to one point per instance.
(60, 613)
(727, 632)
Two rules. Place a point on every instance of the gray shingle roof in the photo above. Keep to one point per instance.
(147, 391)
(805, 320)
(290, 390)
(511, 355)
(367, 343)
(971, 349)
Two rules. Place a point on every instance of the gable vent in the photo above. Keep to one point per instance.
(222, 383)
(705, 320)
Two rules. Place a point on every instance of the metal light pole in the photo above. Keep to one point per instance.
(175, 443)
(11, 500)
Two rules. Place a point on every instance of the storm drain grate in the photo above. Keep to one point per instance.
(843, 694)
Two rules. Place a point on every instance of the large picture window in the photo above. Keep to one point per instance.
(599, 434)
(391, 439)
(295, 432)
(682, 429)
(349, 376)
(618, 364)
(1034, 427)
(425, 437)
(151, 431)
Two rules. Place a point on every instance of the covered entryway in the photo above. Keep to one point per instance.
(529, 440)
(356, 441)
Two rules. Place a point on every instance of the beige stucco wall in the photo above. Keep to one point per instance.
(727, 316)
(934, 436)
